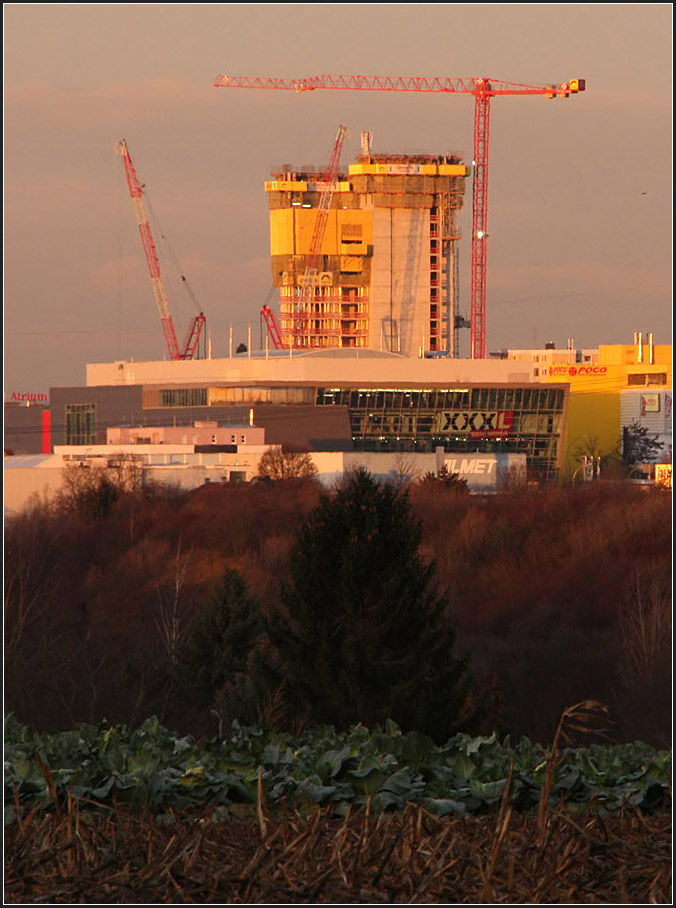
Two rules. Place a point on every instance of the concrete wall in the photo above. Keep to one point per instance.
(30, 479)
(651, 409)
(482, 472)
(24, 429)
(318, 368)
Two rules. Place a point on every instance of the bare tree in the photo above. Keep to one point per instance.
(645, 621)
(405, 468)
(173, 620)
(31, 573)
(287, 462)
(93, 487)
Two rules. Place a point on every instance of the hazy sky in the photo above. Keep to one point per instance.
(580, 192)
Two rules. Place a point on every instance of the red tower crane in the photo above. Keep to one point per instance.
(189, 348)
(483, 90)
(325, 187)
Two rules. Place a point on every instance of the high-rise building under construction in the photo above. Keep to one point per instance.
(381, 262)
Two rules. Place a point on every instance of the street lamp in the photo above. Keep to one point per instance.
(566, 463)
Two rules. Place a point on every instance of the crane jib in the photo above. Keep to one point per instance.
(483, 89)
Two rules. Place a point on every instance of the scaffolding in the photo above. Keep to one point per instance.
(385, 274)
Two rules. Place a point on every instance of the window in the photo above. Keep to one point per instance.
(183, 397)
(80, 424)
(647, 378)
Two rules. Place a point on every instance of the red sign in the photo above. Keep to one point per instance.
(476, 424)
(579, 370)
(30, 396)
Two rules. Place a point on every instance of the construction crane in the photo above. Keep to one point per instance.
(483, 90)
(271, 325)
(325, 188)
(189, 348)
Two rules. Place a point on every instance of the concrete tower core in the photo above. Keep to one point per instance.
(386, 262)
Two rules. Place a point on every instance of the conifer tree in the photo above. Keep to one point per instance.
(215, 662)
(365, 636)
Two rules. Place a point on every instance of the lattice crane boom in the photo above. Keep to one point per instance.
(325, 187)
(483, 90)
(189, 348)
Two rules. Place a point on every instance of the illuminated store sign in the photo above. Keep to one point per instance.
(578, 370)
(476, 424)
(663, 475)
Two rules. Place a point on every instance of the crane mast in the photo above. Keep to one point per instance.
(483, 90)
(189, 348)
(325, 187)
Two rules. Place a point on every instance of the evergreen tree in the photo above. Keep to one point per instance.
(365, 636)
(215, 663)
(638, 445)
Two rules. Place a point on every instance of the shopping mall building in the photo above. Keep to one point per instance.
(546, 404)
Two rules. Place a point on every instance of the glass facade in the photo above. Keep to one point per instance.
(183, 397)
(501, 419)
(80, 424)
(505, 420)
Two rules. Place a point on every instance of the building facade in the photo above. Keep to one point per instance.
(609, 388)
(358, 401)
(385, 254)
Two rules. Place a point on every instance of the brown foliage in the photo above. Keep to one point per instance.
(553, 594)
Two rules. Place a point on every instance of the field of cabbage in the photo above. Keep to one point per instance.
(149, 766)
(107, 814)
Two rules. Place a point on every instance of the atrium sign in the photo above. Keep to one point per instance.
(29, 397)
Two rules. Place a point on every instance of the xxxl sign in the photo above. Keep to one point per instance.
(476, 424)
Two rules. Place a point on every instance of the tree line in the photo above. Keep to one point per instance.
(283, 604)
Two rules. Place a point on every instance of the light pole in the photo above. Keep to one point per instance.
(566, 463)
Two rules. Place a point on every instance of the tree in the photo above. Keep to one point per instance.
(286, 462)
(638, 445)
(215, 662)
(365, 636)
(446, 479)
(93, 488)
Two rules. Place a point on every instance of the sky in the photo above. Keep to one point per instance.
(580, 189)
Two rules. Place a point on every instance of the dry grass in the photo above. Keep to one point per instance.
(409, 856)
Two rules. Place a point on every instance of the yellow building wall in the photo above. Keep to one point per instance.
(593, 423)
(628, 355)
(281, 231)
(292, 229)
